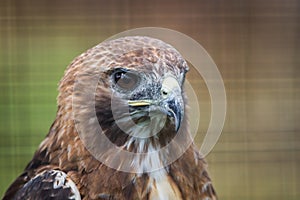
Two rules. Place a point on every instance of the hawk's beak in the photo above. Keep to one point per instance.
(170, 103)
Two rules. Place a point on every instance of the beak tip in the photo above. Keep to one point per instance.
(177, 123)
(176, 113)
(177, 126)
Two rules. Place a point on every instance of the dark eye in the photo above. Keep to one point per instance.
(125, 80)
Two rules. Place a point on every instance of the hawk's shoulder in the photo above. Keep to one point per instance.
(49, 184)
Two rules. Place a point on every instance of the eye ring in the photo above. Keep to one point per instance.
(125, 79)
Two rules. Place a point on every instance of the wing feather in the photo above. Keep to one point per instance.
(50, 184)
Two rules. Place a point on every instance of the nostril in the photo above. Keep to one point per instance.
(164, 93)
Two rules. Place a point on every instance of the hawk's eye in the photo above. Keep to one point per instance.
(125, 80)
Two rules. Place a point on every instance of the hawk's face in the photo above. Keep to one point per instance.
(151, 100)
(144, 89)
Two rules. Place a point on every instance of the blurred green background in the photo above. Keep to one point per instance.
(255, 44)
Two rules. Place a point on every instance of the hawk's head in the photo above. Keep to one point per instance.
(138, 97)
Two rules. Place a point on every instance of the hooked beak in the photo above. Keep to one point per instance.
(173, 108)
(170, 103)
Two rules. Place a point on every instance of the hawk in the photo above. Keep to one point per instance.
(140, 104)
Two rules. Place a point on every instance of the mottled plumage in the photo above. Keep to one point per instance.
(50, 184)
(146, 75)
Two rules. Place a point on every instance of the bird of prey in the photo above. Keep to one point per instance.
(146, 76)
